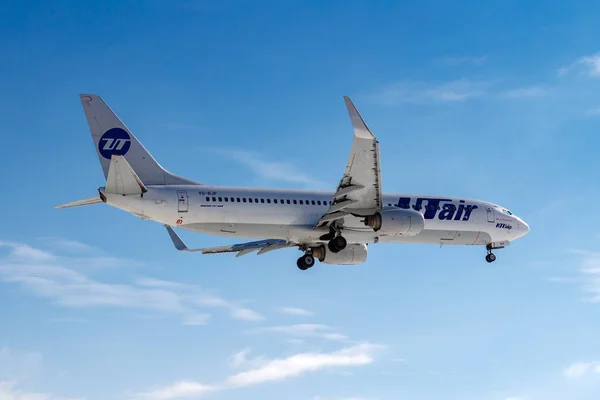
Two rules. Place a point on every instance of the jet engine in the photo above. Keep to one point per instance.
(353, 254)
(396, 222)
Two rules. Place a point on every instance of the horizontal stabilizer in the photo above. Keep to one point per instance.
(262, 246)
(84, 202)
(122, 179)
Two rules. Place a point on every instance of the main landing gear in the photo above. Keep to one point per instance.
(335, 245)
(306, 261)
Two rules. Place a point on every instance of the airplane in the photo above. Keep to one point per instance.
(334, 227)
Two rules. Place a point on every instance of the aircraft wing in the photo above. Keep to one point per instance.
(262, 246)
(359, 190)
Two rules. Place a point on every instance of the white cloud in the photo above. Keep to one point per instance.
(299, 364)
(425, 93)
(590, 65)
(262, 370)
(246, 314)
(10, 391)
(59, 279)
(303, 330)
(523, 93)
(271, 170)
(295, 311)
(178, 390)
(580, 369)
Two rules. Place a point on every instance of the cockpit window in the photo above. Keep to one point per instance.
(507, 211)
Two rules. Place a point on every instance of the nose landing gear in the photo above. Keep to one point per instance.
(491, 257)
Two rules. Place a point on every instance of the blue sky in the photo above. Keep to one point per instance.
(491, 100)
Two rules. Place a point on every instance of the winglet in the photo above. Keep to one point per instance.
(361, 129)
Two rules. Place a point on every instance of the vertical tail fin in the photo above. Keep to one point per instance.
(111, 137)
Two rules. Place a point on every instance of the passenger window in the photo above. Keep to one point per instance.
(262, 200)
(244, 199)
(207, 198)
(301, 202)
(295, 202)
(232, 200)
(269, 201)
(220, 199)
(274, 201)
(250, 200)
(319, 202)
(214, 199)
(313, 202)
(256, 200)
(226, 199)
(288, 201)
(238, 200)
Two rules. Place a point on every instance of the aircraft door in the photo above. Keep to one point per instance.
(182, 201)
(490, 214)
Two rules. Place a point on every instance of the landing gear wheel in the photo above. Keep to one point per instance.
(337, 244)
(305, 262)
(490, 258)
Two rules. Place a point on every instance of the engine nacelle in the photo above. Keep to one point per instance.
(353, 254)
(397, 222)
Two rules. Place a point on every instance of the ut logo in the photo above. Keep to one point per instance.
(114, 141)
(115, 144)
(506, 226)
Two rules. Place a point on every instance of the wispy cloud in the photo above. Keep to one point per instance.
(339, 398)
(424, 93)
(462, 60)
(303, 330)
(295, 311)
(589, 270)
(281, 171)
(295, 365)
(10, 391)
(524, 93)
(61, 280)
(589, 65)
(178, 390)
(580, 369)
(18, 365)
(263, 370)
(593, 111)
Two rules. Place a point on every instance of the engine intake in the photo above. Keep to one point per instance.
(353, 254)
(397, 222)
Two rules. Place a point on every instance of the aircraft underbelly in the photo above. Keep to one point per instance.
(305, 234)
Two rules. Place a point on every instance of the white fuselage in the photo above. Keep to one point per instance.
(292, 214)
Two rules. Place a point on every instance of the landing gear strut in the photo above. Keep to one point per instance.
(306, 261)
(490, 257)
(337, 244)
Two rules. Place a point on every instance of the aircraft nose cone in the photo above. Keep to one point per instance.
(524, 228)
